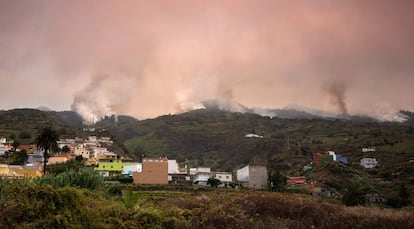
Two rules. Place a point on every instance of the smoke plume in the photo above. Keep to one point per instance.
(149, 58)
(336, 92)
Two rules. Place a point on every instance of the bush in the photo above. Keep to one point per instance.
(88, 179)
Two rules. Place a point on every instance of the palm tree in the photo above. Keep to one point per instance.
(47, 141)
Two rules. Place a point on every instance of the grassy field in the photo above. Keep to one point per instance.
(26, 205)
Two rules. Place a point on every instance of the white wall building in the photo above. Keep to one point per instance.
(224, 177)
(365, 150)
(369, 163)
(253, 176)
(129, 169)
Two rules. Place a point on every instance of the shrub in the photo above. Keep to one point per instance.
(88, 179)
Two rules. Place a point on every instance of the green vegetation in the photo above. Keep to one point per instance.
(86, 178)
(27, 204)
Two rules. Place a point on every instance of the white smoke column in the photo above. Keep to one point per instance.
(94, 102)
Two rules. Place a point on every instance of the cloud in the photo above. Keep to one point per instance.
(148, 58)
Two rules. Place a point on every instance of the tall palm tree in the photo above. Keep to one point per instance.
(47, 141)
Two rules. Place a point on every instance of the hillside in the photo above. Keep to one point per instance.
(217, 138)
(214, 138)
(23, 125)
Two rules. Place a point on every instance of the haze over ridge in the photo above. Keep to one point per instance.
(150, 58)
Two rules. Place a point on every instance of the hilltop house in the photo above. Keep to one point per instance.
(253, 176)
(319, 158)
(368, 163)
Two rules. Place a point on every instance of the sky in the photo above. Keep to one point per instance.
(149, 58)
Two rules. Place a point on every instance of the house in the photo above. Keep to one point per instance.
(82, 151)
(342, 159)
(154, 171)
(368, 163)
(4, 149)
(129, 169)
(374, 198)
(201, 178)
(253, 176)
(224, 177)
(201, 175)
(296, 181)
(4, 169)
(56, 160)
(194, 171)
(19, 172)
(108, 167)
(36, 156)
(365, 150)
(25, 171)
(176, 174)
(319, 158)
(28, 148)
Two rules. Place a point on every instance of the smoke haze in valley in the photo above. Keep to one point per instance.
(149, 58)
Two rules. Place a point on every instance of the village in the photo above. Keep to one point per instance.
(93, 152)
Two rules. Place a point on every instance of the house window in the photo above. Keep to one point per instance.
(112, 167)
(103, 166)
(227, 177)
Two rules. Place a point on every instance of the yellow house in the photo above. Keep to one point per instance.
(28, 173)
(81, 151)
(16, 171)
(4, 170)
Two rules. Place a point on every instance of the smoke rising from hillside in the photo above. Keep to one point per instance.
(336, 91)
(149, 58)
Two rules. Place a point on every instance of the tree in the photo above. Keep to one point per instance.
(213, 182)
(19, 157)
(354, 195)
(25, 135)
(47, 141)
(277, 182)
(15, 144)
(65, 149)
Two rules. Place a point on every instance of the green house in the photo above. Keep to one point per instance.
(109, 167)
(326, 159)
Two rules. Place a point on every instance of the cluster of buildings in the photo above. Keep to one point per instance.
(163, 171)
(91, 149)
(321, 158)
(94, 152)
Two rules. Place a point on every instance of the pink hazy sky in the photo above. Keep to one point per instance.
(148, 58)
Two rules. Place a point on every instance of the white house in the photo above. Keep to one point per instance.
(129, 169)
(371, 149)
(194, 171)
(368, 163)
(224, 177)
